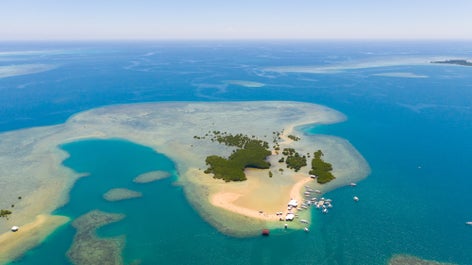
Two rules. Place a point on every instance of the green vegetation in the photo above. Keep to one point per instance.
(252, 153)
(321, 169)
(4, 213)
(238, 140)
(456, 62)
(293, 137)
(294, 160)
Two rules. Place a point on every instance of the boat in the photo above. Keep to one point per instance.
(352, 184)
(306, 229)
(15, 228)
(468, 223)
(289, 217)
(293, 203)
(325, 210)
(355, 198)
(265, 232)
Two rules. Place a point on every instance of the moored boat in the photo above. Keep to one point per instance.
(265, 232)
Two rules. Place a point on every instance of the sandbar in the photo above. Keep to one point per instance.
(31, 161)
(24, 69)
(337, 67)
(244, 83)
(401, 75)
(412, 260)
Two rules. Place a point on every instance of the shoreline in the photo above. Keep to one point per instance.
(35, 160)
(29, 235)
(228, 201)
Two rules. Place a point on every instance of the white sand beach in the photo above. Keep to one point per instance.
(13, 244)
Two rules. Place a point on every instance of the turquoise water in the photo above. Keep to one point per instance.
(414, 132)
(160, 227)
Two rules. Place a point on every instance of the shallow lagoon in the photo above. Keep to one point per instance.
(160, 227)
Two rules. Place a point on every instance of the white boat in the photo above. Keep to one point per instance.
(355, 198)
(293, 203)
(468, 223)
(352, 184)
(289, 217)
(306, 229)
(325, 210)
(15, 228)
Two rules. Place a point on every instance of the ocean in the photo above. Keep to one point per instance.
(410, 119)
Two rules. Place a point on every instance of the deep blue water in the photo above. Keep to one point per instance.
(414, 132)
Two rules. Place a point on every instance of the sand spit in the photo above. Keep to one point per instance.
(244, 83)
(30, 160)
(24, 69)
(13, 244)
(87, 248)
(151, 176)
(412, 260)
(401, 75)
(120, 194)
(337, 67)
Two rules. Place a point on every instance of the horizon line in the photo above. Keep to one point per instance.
(232, 39)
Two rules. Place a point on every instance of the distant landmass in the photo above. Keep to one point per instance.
(456, 62)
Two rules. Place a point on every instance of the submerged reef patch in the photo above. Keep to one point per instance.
(87, 248)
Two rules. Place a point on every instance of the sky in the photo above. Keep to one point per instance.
(236, 19)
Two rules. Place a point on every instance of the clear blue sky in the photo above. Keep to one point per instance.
(237, 19)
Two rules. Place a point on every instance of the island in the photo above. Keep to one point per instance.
(461, 62)
(271, 169)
